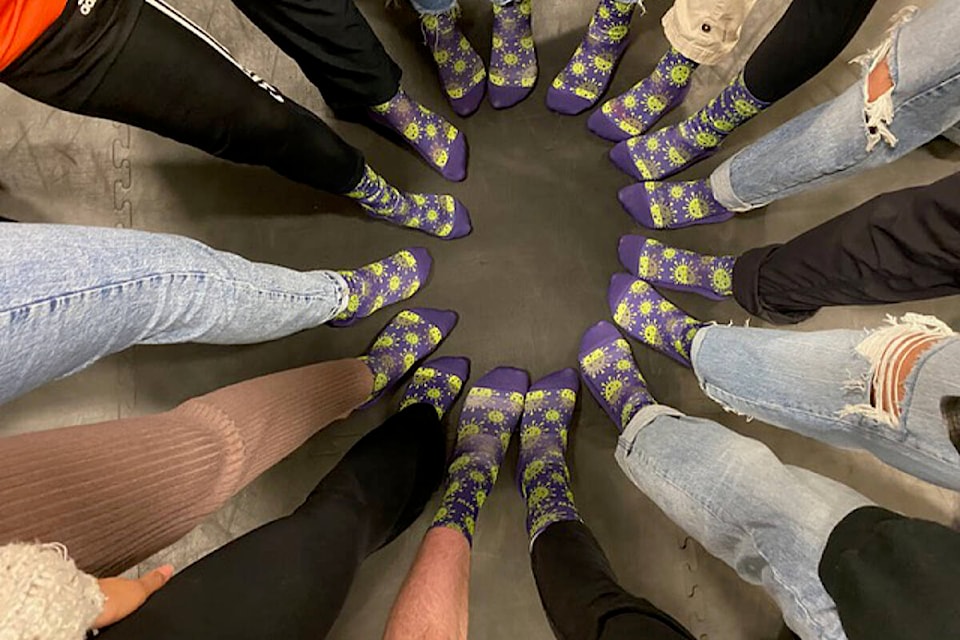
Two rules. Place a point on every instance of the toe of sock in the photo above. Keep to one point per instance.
(445, 320)
(563, 379)
(461, 222)
(619, 284)
(506, 97)
(456, 167)
(566, 103)
(469, 103)
(621, 158)
(601, 125)
(451, 365)
(635, 200)
(628, 249)
(598, 335)
(509, 379)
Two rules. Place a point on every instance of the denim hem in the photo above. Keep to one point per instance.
(641, 419)
(343, 294)
(722, 187)
(452, 5)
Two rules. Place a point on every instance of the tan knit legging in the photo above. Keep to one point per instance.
(117, 492)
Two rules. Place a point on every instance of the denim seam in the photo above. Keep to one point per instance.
(649, 462)
(166, 275)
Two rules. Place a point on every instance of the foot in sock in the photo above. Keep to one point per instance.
(462, 73)
(411, 336)
(513, 57)
(442, 216)
(585, 78)
(673, 205)
(438, 383)
(490, 415)
(383, 282)
(678, 269)
(635, 111)
(650, 318)
(435, 139)
(611, 373)
(672, 149)
(541, 468)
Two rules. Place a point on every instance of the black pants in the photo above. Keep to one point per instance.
(900, 246)
(581, 596)
(289, 579)
(144, 64)
(806, 39)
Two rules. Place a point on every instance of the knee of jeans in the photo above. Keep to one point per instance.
(878, 65)
(891, 352)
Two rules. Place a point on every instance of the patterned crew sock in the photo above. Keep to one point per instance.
(678, 269)
(635, 111)
(513, 58)
(411, 336)
(612, 375)
(383, 282)
(673, 205)
(490, 414)
(442, 216)
(438, 141)
(461, 70)
(652, 319)
(581, 83)
(672, 149)
(437, 383)
(542, 468)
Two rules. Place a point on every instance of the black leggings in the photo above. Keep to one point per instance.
(289, 578)
(808, 37)
(144, 64)
(581, 596)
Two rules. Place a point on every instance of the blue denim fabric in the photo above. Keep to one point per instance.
(829, 142)
(801, 381)
(72, 295)
(426, 7)
(768, 521)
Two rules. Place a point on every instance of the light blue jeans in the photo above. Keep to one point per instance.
(831, 141)
(768, 521)
(433, 7)
(71, 295)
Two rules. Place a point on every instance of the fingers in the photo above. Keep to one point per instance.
(156, 579)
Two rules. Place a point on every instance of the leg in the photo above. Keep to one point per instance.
(899, 246)
(768, 521)
(462, 74)
(581, 595)
(305, 563)
(879, 391)
(513, 55)
(334, 46)
(923, 62)
(72, 295)
(116, 492)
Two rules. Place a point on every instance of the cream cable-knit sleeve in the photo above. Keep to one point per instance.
(43, 596)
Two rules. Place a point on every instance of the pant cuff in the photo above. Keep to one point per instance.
(722, 188)
(746, 288)
(425, 11)
(640, 420)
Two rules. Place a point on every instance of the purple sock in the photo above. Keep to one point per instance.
(435, 139)
(541, 467)
(442, 216)
(678, 269)
(461, 70)
(437, 382)
(611, 373)
(672, 149)
(383, 282)
(585, 78)
(513, 58)
(411, 336)
(650, 318)
(490, 414)
(673, 205)
(635, 111)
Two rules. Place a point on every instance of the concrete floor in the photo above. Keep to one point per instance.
(529, 280)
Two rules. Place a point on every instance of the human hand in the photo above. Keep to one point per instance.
(124, 596)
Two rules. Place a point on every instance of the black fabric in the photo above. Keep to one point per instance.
(900, 246)
(806, 39)
(334, 46)
(289, 579)
(580, 594)
(171, 78)
(892, 577)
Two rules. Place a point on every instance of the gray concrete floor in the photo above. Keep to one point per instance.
(529, 280)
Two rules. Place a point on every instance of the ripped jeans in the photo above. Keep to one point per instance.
(847, 135)
(836, 387)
